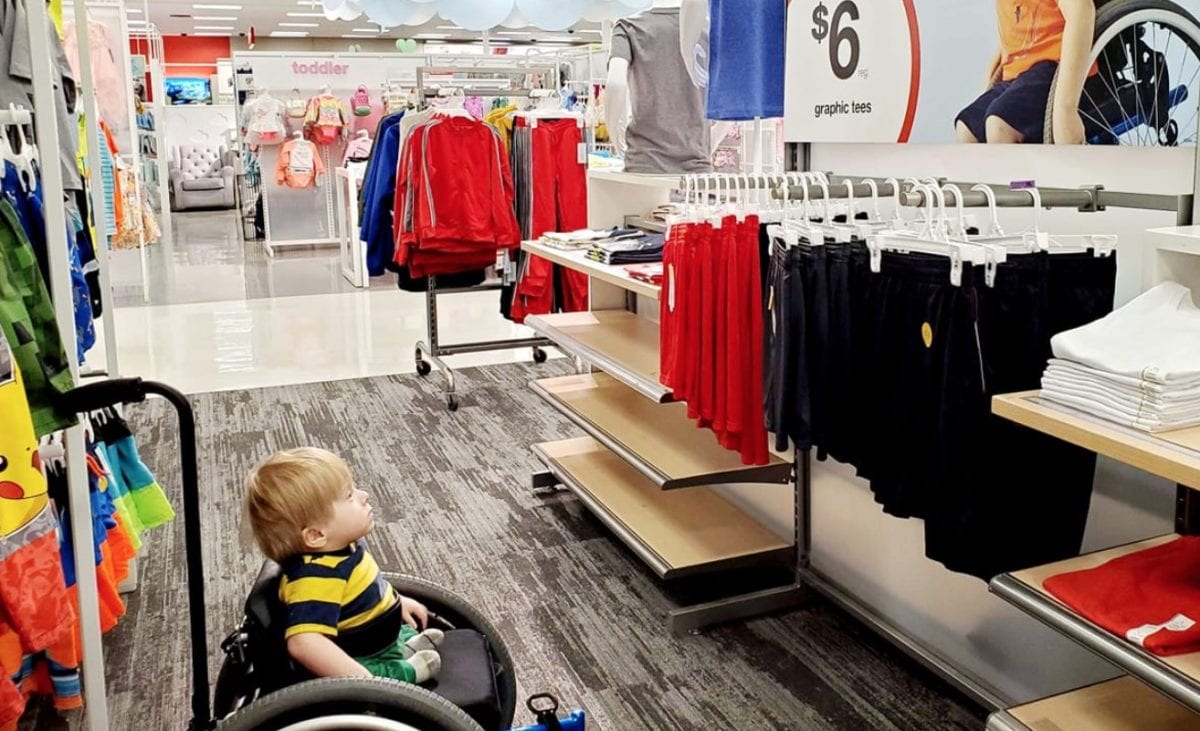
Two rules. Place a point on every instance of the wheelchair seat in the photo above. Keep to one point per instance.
(467, 678)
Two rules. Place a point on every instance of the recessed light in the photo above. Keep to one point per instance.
(137, 11)
(364, 30)
(306, 15)
(213, 27)
(210, 35)
(299, 25)
(432, 36)
(365, 38)
(214, 17)
(216, 7)
(289, 33)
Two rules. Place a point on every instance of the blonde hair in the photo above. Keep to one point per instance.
(290, 491)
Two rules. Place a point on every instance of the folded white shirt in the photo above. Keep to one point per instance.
(1090, 406)
(1165, 400)
(1134, 407)
(1070, 369)
(1156, 338)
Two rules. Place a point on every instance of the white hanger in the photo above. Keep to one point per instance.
(454, 107)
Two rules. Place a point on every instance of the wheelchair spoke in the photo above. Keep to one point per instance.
(1137, 91)
(1099, 120)
(1113, 91)
(1158, 74)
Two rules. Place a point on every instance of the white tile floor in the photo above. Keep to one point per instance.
(217, 329)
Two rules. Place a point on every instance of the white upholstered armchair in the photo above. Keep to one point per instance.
(201, 177)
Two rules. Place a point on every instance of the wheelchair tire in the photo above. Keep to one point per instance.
(463, 615)
(379, 697)
(229, 693)
(1112, 13)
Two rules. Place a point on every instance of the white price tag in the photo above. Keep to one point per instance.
(853, 70)
(583, 153)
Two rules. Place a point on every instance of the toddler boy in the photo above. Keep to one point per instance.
(307, 516)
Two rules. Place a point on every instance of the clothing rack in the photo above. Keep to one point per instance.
(811, 577)
(79, 498)
(431, 354)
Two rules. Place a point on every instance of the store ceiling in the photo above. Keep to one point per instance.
(231, 17)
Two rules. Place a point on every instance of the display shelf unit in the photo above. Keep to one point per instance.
(658, 440)
(646, 224)
(1121, 704)
(617, 342)
(1177, 677)
(577, 261)
(661, 182)
(677, 534)
(1173, 455)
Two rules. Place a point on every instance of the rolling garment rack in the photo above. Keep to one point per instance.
(1084, 199)
(432, 353)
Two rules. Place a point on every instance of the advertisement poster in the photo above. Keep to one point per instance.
(944, 71)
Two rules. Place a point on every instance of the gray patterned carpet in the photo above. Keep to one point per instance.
(583, 617)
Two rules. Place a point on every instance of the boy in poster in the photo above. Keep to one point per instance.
(1037, 38)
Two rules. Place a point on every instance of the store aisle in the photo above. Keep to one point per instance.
(225, 316)
(583, 617)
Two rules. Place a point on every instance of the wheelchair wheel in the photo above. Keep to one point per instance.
(458, 612)
(1148, 57)
(375, 701)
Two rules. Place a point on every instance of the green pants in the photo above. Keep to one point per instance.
(390, 662)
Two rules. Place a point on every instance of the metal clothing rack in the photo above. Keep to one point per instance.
(431, 354)
(810, 577)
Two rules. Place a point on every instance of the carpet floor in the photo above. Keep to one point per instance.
(583, 617)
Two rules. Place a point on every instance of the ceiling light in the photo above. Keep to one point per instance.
(214, 17)
(213, 27)
(365, 38)
(133, 10)
(364, 30)
(289, 33)
(448, 27)
(306, 15)
(299, 25)
(216, 7)
(432, 36)
(211, 35)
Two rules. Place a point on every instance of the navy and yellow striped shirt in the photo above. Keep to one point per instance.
(330, 592)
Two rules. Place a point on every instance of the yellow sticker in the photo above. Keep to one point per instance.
(927, 334)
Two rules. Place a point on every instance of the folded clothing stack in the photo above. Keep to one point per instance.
(648, 248)
(651, 273)
(1139, 366)
(584, 238)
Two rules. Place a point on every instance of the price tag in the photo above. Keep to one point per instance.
(853, 70)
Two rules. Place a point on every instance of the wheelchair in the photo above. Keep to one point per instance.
(259, 687)
(1147, 55)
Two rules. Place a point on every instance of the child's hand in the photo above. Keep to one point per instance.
(414, 612)
(1068, 128)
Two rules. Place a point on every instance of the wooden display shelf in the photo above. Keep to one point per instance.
(658, 440)
(617, 342)
(1174, 455)
(1177, 676)
(1121, 704)
(576, 261)
(676, 533)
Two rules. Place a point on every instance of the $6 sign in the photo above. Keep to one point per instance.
(840, 30)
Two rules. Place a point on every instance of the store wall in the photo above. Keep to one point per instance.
(880, 558)
(193, 55)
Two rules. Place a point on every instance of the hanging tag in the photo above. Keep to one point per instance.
(583, 153)
(671, 287)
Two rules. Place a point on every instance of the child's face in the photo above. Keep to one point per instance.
(351, 518)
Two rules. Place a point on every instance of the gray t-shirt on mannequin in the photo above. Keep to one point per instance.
(668, 133)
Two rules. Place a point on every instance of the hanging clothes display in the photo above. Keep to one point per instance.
(550, 164)
(35, 608)
(888, 361)
(326, 120)
(454, 197)
(263, 121)
(299, 165)
(358, 149)
(108, 79)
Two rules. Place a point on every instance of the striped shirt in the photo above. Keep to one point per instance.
(329, 592)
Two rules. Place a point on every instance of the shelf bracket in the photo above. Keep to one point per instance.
(1187, 511)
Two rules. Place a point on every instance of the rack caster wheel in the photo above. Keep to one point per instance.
(452, 403)
(423, 368)
(539, 355)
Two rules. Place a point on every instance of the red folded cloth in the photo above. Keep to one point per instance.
(1151, 598)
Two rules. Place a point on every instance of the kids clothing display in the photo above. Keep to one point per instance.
(263, 121)
(326, 119)
(358, 149)
(299, 165)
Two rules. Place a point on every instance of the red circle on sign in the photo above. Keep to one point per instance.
(914, 90)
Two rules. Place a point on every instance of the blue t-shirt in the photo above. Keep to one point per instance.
(747, 42)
